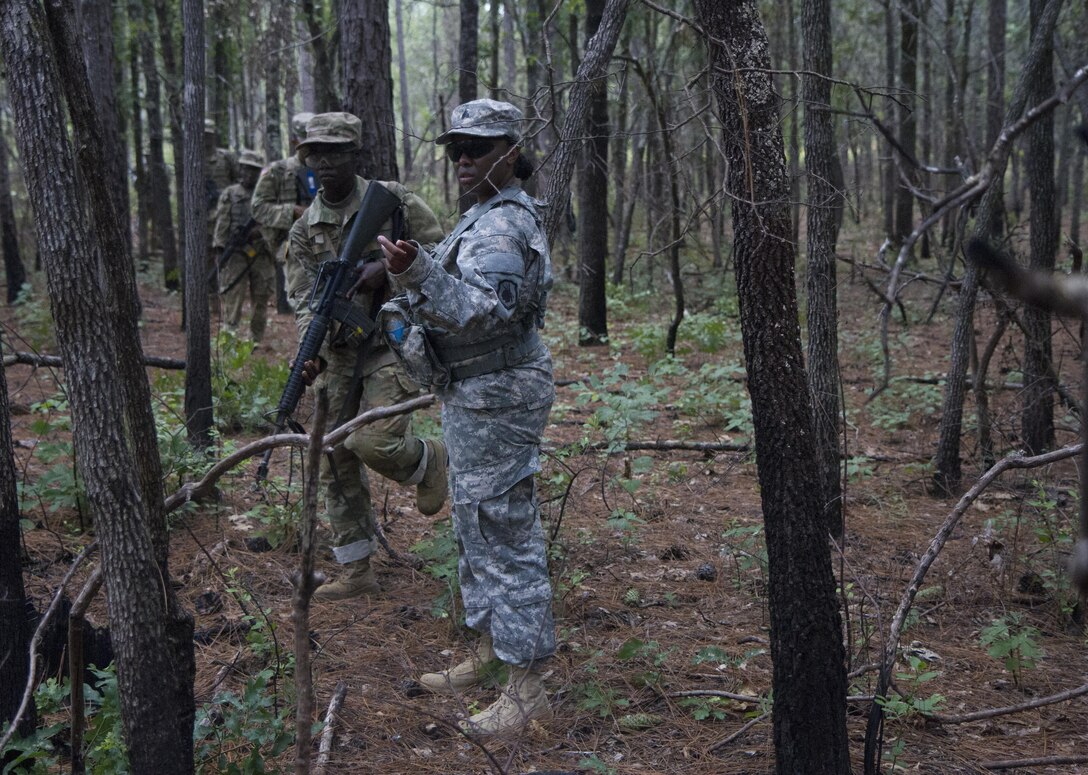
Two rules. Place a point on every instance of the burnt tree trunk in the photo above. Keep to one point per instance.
(92, 290)
(824, 206)
(198, 372)
(14, 271)
(806, 636)
(468, 51)
(14, 627)
(593, 207)
(368, 84)
(1037, 419)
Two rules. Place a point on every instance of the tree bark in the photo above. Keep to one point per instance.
(824, 204)
(368, 84)
(597, 54)
(14, 630)
(99, 54)
(142, 246)
(907, 123)
(323, 81)
(593, 206)
(14, 271)
(198, 373)
(468, 51)
(806, 638)
(91, 286)
(405, 112)
(162, 218)
(947, 474)
(1037, 419)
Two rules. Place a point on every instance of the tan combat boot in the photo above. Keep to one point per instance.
(432, 489)
(522, 700)
(464, 674)
(357, 581)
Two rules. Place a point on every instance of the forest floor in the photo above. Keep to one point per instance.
(658, 561)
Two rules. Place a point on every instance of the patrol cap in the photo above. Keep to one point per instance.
(298, 124)
(484, 118)
(333, 129)
(250, 158)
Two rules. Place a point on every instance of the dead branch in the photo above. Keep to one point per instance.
(75, 664)
(1014, 461)
(195, 490)
(1011, 764)
(32, 669)
(305, 582)
(730, 738)
(717, 693)
(54, 361)
(1038, 702)
(969, 191)
(329, 733)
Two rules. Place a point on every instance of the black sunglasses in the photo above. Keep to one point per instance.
(474, 149)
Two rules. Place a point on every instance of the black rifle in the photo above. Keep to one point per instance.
(238, 240)
(333, 279)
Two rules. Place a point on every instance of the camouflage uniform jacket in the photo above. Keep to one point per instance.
(488, 282)
(278, 190)
(220, 171)
(231, 214)
(316, 237)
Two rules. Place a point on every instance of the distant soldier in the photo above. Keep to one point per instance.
(283, 193)
(241, 253)
(220, 171)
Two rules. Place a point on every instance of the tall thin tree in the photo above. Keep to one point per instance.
(809, 678)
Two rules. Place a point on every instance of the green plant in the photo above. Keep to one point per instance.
(238, 733)
(593, 764)
(1013, 641)
(595, 697)
(626, 523)
(746, 546)
(716, 396)
(895, 407)
(59, 486)
(704, 708)
(647, 654)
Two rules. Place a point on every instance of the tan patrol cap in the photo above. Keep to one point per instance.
(334, 129)
(298, 124)
(250, 158)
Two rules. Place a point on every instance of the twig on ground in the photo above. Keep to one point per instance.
(53, 361)
(324, 751)
(730, 738)
(1038, 702)
(1042, 761)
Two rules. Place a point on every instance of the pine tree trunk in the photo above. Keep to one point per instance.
(14, 271)
(907, 122)
(824, 202)
(468, 51)
(809, 678)
(92, 290)
(1037, 420)
(593, 207)
(368, 84)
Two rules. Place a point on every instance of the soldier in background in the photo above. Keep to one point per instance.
(283, 193)
(220, 171)
(247, 264)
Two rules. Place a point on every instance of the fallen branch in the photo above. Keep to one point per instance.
(891, 648)
(191, 491)
(1011, 764)
(329, 733)
(1038, 702)
(729, 739)
(55, 361)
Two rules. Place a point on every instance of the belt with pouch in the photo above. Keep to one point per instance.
(472, 360)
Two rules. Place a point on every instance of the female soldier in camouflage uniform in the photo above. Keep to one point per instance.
(479, 299)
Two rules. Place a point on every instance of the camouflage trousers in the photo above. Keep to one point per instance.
(386, 446)
(502, 561)
(258, 283)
